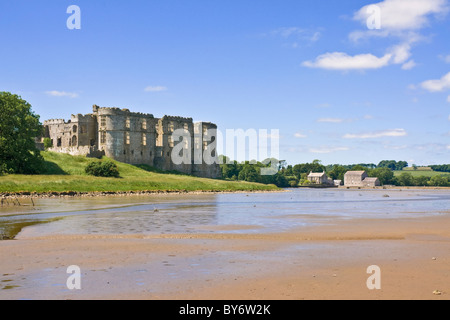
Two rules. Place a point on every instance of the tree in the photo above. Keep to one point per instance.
(338, 172)
(405, 179)
(19, 125)
(385, 175)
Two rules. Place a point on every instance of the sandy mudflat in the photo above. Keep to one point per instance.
(326, 262)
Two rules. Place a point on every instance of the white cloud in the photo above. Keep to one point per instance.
(55, 93)
(155, 89)
(437, 85)
(331, 120)
(404, 15)
(445, 58)
(300, 135)
(401, 53)
(377, 134)
(343, 61)
(397, 54)
(448, 147)
(323, 150)
(409, 65)
(298, 33)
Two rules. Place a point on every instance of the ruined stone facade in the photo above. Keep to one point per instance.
(138, 138)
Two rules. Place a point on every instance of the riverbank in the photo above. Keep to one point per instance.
(32, 195)
(328, 262)
(65, 176)
(314, 244)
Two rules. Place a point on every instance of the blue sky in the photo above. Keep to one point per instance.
(337, 90)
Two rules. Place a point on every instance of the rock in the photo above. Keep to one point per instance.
(434, 258)
(437, 292)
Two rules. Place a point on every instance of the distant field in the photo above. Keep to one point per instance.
(418, 169)
(417, 173)
(65, 173)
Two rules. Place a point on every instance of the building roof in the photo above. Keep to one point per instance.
(370, 179)
(316, 174)
(355, 173)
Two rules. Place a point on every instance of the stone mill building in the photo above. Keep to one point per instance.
(137, 138)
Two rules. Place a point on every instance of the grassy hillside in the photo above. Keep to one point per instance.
(417, 173)
(65, 173)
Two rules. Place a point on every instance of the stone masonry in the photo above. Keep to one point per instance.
(137, 138)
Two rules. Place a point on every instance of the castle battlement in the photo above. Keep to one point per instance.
(117, 111)
(125, 136)
(54, 121)
(176, 118)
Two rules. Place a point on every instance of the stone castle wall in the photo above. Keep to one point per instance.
(134, 138)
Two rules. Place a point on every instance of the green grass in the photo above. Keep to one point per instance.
(65, 173)
(417, 173)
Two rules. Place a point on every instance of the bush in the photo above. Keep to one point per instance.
(48, 143)
(102, 169)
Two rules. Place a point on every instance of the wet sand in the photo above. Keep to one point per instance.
(315, 262)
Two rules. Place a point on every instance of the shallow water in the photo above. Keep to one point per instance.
(212, 213)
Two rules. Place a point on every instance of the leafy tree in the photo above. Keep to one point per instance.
(405, 179)
(439, 181)
(19, 125)
(338, 172)
(385, 175)
(47, 143)
(392, 164)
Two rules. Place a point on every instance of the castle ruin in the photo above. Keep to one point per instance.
(137, 139)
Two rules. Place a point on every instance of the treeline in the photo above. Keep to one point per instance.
(441, 168)
(296, 175)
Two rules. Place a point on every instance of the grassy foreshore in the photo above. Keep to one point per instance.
(64, 174)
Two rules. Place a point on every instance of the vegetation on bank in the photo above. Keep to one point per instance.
(66, 173)
(389, 172)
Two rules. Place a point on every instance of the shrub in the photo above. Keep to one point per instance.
(48, 143)
(102, 169)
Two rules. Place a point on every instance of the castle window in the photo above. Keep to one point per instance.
(205, 145)
(205, 130)
(127, 123)
(197, 143)
(102, 121)
(74, 129)
(170, 141)
(144, 125)
(102, 137)
(144, 139)
(186, 126)
(127, 138)
(171, 127)
(151, 154)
